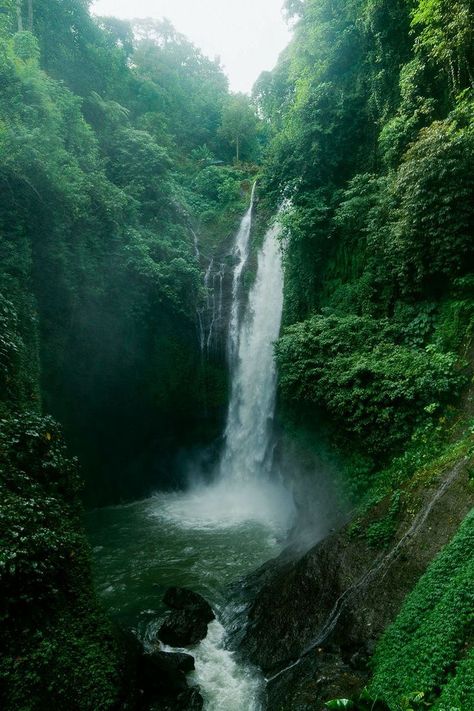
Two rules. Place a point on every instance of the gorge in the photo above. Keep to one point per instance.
(236, 362)
(212, 534)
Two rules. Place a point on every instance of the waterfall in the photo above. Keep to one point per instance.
(248, 435)
(197, 251)
(246, 485)
(241, 253)
(215, 305)
(210, 316)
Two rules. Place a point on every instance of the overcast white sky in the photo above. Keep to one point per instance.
(248, 35)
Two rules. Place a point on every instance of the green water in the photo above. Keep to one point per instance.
(195, 541)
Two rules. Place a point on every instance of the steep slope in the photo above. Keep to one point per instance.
(371, 109)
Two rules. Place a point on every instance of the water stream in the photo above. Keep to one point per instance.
(142, 549)
(211, 535)
(241, 254)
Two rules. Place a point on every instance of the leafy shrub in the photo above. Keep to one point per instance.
(427, 235)
(374, 389)
(10, 347)
(58, 650)
(425, 647)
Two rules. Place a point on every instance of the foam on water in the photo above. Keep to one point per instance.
(227, 505)
(225, 684)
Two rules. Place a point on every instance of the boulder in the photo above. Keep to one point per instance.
(184, 599)
(186, 624)
(183, 628)
(157, 681)
(190, 700)
(169, 662)
(157, 673)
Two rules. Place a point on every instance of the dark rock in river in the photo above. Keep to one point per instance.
(187, 624)
(162, 670)
(174, 661)
(157, 681)
(184, 599)
(183, 628)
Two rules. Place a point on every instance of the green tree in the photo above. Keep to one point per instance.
(240, 125)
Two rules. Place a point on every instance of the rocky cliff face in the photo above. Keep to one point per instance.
(315, 620)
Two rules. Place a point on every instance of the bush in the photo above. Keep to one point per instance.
(426, 238)
(375, 389)
(428, 645)
(58, 650)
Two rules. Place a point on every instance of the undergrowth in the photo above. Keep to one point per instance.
(429, 646)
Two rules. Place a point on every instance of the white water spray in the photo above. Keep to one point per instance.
(246, 486)
(241, 254)
(248, 437)
(225, 684)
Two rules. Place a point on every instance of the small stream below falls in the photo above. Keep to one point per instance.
(210, 536)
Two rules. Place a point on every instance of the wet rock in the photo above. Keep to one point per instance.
(157, 681)
(157, 673)
(314, 619)
(184, 599)
(183, 628)
(317, 677)
(187, 624)
(193, 700)
(178, 661)
(171, 662)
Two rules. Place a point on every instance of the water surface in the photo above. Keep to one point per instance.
(186, 540)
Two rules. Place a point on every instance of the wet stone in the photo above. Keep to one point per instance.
(185, 599)
(186, 624)
(183, 628)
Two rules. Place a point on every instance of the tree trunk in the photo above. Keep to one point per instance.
(237, 145)
(30, 15)
(19, 16)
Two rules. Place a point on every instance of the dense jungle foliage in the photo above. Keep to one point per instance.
(116, 143)
(119, 143)
(371, 109)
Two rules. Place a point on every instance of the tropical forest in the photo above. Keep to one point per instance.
(237, 361)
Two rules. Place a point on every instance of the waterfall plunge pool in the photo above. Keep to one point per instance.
(205, 540)
(211, 536)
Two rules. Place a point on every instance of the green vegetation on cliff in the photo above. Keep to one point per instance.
(430, 645)
(117, 144)
(107, 165)
(56, 643)
(373, 146)
(371, 109)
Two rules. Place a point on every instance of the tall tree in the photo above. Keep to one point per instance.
(239, 123)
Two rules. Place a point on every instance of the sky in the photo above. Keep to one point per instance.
(247, 35)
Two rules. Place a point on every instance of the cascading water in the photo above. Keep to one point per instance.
(245, 486)
(241, 254)
(215, 306)
(248, 436)
(202, 312)
(197, 251)
(210, 316)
